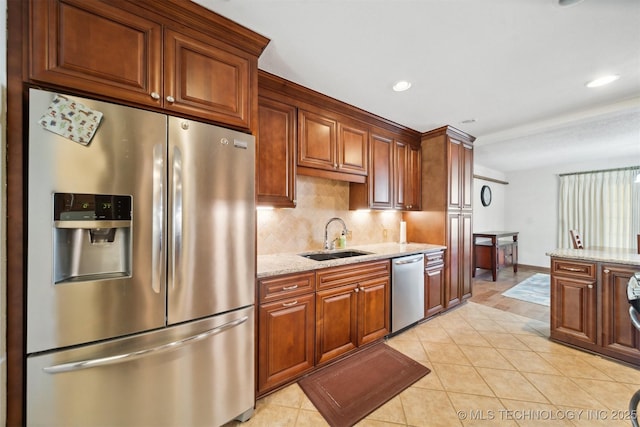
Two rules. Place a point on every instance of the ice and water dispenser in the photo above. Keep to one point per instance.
(92, 237)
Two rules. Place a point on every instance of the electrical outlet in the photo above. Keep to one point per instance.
(384, 233)
(349, 234)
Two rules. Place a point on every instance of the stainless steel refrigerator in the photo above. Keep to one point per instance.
(141, 267)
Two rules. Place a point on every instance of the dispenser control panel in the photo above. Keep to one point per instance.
(91, 207)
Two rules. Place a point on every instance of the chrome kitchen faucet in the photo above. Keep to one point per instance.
(326, 229)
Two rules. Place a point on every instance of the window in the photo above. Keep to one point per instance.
(604, 206)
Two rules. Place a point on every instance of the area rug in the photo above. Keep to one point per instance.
(535, 289)
(349, 390)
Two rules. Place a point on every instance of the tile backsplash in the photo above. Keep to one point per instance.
(301, 228)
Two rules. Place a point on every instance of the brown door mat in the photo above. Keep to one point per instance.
(349, 390)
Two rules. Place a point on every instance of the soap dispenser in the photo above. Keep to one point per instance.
(342, 243)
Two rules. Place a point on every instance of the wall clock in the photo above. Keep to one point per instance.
(485, 195)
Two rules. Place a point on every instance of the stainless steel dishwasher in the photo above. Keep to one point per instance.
(407, 291)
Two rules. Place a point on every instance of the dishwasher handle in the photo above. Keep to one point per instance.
(408, 261)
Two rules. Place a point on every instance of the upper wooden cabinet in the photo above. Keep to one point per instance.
(276, 154)
(134, 52)
(336, 140)
(407, 176)
(460, 174)
(333, 144)
(201, 79)
(394, 176)
(447, 169)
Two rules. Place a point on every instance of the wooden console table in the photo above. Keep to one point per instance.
(496, 253)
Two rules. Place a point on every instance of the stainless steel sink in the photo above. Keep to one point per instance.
(325, 256)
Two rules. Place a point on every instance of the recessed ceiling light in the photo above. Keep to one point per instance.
(604, 80)
(401, 86)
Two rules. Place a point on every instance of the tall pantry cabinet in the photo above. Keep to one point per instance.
(447, 208)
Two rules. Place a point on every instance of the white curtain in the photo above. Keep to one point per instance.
(603, 206)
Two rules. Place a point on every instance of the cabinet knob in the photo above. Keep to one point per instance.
(335, 166)
(155, 95)
(356, 290)
(590, 286)
(171, 98)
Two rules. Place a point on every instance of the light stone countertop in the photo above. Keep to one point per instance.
(286, 263)
(613, 255)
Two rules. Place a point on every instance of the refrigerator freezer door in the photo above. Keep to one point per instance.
(212, 220)
(196, 374)
(127, 150)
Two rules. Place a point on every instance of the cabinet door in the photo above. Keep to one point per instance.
(466, 179)
(460, 175)
(453, 276)
(275, 154)
(465, 253)
(317, 141)
(400, 173)
(353, 148)
(336, 322)
(434, 291)
(413, 190)
(618, 333)
(203, 79)
(285, 340)
(373, 309)
(573, 309)
(91, 46)
(381, 173)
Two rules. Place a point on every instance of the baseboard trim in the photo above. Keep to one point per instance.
(535, 268)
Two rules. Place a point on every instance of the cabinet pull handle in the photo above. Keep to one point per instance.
(288, 288)
(155, 95)
(171, 99)
(577, 270)
(289, 304)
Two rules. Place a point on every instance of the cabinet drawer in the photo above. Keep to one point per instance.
(348, 274)
(568, 268)
(286, 286)
(433, 259)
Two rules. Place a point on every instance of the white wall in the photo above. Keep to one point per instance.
(531, 206)
(489, 218)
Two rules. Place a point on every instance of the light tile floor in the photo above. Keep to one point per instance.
(488, 368)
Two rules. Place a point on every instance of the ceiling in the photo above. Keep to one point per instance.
(518, 67)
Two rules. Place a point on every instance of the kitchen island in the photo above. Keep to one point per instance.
(589, 307)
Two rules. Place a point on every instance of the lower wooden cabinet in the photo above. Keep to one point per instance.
(434, 283)
(286, 329)
(307, 319)
(336, 326)
(352, 308)
(589, 308)
(573, 309)
(618, 333)
(459, 255)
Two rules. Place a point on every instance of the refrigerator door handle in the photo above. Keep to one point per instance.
(126, 357)
(158, 217)
(177, 216)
